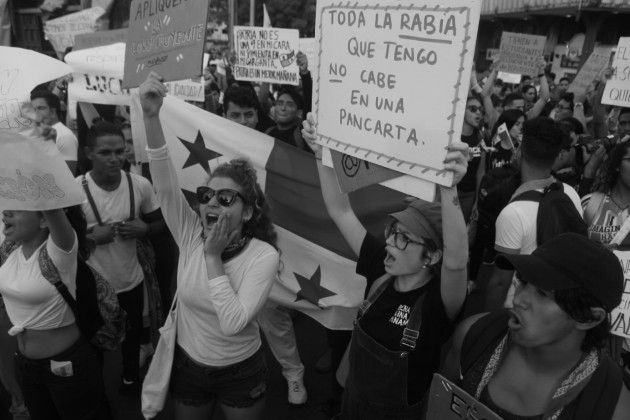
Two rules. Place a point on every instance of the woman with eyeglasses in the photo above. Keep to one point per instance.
(227, 265)
(472, 135)
(416, 287)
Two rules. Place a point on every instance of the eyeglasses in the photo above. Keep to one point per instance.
(400, 239)
(474, 109)
(225, 197)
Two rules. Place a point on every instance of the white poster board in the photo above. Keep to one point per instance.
(310, 48)
(520, 53)
(393, 79)
(617, 91)
(98, 78)
(266, 55)
(61, 31)
(620, 316)
(509, 77)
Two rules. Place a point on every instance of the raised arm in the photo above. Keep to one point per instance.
(337, 203)
(543, 96)
(486, 95)
(152, 93)
(61, 231)
(454, 274)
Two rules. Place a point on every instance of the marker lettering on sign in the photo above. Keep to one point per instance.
(23, 188)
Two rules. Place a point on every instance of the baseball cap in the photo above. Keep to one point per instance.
(423, 219)
(569, 261)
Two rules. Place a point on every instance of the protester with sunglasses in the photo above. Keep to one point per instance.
(473, 137)
(228, 263)
(416, 287)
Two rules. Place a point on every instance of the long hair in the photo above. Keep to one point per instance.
(509, 117)
(259, 225)
(609, 173)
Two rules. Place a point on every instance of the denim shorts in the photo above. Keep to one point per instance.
(240, 385)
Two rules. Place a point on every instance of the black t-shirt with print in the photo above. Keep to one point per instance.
(500, 157)
(474, 142)
(386, 319)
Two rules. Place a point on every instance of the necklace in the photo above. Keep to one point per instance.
(620, 207)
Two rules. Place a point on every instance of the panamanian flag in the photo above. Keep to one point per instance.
(317, 274)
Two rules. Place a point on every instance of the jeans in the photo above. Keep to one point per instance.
(132, 302)
(67, 386)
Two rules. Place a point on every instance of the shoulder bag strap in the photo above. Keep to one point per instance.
(132, 204)
(50, 273)
(84, 183)
(377, 288)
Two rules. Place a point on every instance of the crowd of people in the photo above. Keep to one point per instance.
(548, 298)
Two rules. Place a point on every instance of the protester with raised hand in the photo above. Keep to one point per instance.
(228, 263)
(419, 272)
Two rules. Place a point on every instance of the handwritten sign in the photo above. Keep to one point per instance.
(447, 401)
(388, 69)
(617, 90)
(34, 176)
(520, 53)
(62, 31)
(97, 39)
(620, 316)
(266, 55)
(98, 78)
(590, 70)
(509, 77)
(167, 37)
(20, 71)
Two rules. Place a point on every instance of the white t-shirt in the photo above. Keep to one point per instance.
(516, 225)
(117, 261)
(32, 302)
(216, 320)
(66, 142)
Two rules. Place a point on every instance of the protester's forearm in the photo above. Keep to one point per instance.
(454, 230)
(155, 134)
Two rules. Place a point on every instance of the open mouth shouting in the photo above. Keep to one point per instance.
(211, 219)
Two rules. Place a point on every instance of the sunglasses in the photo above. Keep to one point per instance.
(400, 239)
(475, 109)
(225, 197)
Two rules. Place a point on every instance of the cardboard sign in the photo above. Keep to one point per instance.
(620, 316)
(354, 173)
(509, 77)
(520, 53)
(34, 175)
(266, 55)
(20, 71)
(447, 401)
(617, 91)
(376, 88)
(590, 70)
(167, 37)
(61, 31)
(98, 78)
(98, 39)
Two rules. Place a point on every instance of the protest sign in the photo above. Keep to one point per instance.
(167, 37)
(266, 55)
(521, 53)
(310, 48)
(620, 316)
(447, 401)
(592, 67)
(509, 77)
(20, 71)
(617, 90)
(98, 39)
(376, 93)
(98, 78)
(492, 54)
(354, 173)
(34, 176)
(61, 31)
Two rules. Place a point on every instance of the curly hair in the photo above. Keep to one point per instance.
(243, 173)
(577, 303)
(609, 172)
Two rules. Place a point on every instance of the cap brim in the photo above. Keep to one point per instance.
(537, 271)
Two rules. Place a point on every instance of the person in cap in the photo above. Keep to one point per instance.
(550, 340)
(416, 287)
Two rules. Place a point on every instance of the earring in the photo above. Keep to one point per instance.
(425, 265)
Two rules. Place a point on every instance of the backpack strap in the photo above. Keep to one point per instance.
(86, 188)
(531, 195)
(132, 203)
(481, 335)
(377, 289)
(50, 273)
(599, 397)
